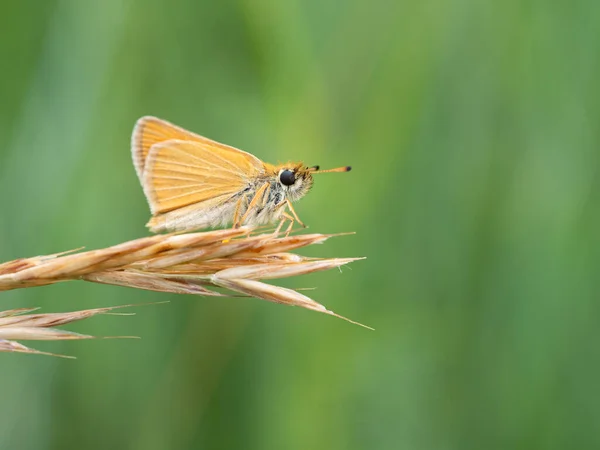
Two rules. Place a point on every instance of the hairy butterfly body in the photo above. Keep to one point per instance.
(192, 182)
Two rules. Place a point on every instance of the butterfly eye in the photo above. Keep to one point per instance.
(287, 178)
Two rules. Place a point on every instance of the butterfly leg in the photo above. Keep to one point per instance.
(278, 229)
(290, 226)
(283, 220)
(260, 195)
(238, 206)
(289, 204)
(286, 217)
(280, 225)
(293, 219)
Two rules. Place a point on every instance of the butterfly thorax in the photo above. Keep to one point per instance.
(263, 200)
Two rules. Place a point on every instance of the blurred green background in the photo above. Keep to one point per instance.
(472, 128)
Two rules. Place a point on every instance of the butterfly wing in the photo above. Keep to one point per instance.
(149, 131)
(179, 173)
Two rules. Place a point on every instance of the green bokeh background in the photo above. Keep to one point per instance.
(472, 127)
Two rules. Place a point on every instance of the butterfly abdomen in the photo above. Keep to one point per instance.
(266, 209)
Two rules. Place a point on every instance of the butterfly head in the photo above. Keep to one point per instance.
(296, 179)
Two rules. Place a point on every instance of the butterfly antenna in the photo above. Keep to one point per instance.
(337, 169)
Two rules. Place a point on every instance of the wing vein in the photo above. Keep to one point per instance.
(167, 199)
(237, 172)
(171, 162)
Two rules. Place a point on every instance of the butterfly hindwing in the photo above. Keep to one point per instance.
(178, 173)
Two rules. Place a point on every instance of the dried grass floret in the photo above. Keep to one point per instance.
(211, 263)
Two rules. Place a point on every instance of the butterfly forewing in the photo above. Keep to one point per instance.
(179, 173)
(150, 130)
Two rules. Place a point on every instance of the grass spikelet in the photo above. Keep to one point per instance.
(210, 263)
(19, 324)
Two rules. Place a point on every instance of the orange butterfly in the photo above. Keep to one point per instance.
(192, 182)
